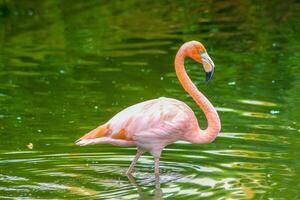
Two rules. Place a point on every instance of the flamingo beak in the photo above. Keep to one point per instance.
(208, 65)
(208, 76)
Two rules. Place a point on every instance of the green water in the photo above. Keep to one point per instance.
(66, 67)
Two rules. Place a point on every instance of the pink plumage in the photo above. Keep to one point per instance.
(151, 125)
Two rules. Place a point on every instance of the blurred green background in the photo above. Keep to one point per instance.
(68, 66)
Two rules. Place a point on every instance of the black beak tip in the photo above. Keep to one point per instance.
(208, 76)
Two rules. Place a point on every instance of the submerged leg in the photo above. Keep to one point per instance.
(131, 167)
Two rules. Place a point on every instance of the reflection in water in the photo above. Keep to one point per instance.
(143, 195)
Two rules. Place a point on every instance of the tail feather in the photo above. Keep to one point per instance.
(102, 135)
(103, 140)
(84, 142)
(96, 133)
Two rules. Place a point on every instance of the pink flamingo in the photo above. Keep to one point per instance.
(151, 125)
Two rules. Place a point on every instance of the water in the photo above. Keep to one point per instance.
(67, 67)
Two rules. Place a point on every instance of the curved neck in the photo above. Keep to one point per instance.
(213, 121)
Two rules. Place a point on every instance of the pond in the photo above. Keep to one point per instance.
(67, 67)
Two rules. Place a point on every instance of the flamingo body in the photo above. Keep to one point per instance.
(151, 125)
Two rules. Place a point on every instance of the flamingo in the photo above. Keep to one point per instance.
(153, 124)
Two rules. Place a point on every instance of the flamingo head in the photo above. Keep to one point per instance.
(197, 52)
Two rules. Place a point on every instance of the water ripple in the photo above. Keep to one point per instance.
(102, 175)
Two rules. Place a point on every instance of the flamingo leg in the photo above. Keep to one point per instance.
(132, 165)
(156, 166)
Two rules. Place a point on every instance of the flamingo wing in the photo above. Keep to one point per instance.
(159, 121)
